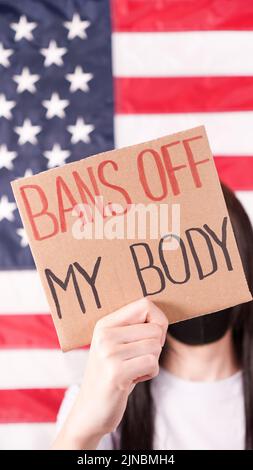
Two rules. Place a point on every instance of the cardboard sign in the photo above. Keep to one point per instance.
(76, 217)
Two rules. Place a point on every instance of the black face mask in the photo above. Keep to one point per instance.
(202, 330)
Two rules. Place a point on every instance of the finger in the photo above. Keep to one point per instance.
(140, 311)
(155, 315)
(138, 367)
(137, 332)
(139, 348)
(141, 379)
(135, 312)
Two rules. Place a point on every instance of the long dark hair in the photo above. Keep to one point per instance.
(137, 425)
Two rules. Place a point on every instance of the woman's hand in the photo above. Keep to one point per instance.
(125, 350)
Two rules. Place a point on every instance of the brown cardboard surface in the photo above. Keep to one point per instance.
(203, 275)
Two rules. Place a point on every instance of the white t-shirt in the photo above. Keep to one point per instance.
(188, 415)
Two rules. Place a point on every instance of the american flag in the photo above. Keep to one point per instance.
(173, 65)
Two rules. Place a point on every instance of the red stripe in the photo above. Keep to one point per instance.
(236, 172)
(27, 332)
(30, 406)
(183, 94)
(184, 15)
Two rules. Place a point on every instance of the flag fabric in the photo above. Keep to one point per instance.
(66, 94)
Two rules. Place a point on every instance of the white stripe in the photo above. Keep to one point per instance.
(41, 368)
(246, 198)
(21, 292)
(26, 436)
(229, 133)
(183, 53)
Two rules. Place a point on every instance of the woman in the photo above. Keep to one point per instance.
(189, 386)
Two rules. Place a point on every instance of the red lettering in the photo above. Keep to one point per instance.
(83, 188)
(170, 168)
(43, 212)
(84, 191)
(113, 186)
(62, 187)
(143, 177)
(192, 163)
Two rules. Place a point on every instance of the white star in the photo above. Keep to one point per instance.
(23, 235)
(4, 55)
(53, 54)
(26, 81)
(23, 29)
(27, 132)
(80, 131)
(56, 156)
(28, 172)
(6, 157)
(5, 107)
(6, 209)
(77, 27)
(78, 79)
(55, 106)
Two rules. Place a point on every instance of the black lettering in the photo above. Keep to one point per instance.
(184, 255)
(91, 279)
(52, 278)
(150, 265)
(195, 254)
(223, 242)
